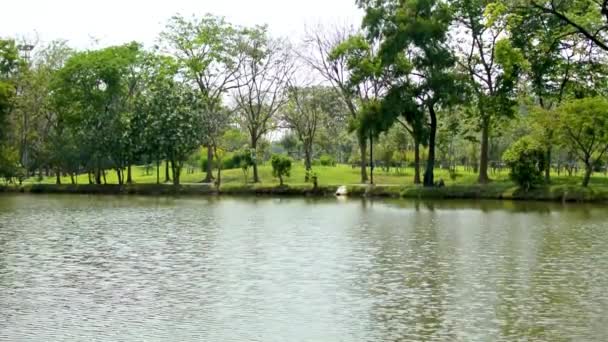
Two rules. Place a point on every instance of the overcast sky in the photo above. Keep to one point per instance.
(119, 21)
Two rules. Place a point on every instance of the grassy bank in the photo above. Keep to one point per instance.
(500, 191)
(392, 183)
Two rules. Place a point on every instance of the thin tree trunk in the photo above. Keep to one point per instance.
(429, 175)
(58, 177)
(129, 176)
(103, 173)
(72, 178)
(485, 147)
(218, 180)
(548, 165)
(97, 176)
(363, 152)
(209, 177)
(254, 147)
(371, 159)
(417, 162)
(119, 174)
(588, 172)
(167, 176)
(157, 171)
(90, 179)
(307, 163)
(176, 172)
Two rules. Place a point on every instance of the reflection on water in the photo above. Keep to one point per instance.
(80, 268)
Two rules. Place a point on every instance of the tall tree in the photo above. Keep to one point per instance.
(319, 53)
(492, 65)
(366, 81)
(94, 91)
(9, 64)
(584, 128)
(262, 80)
(413, 36)
(208, 50)
(304, 114)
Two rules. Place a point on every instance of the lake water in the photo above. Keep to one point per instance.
(84, 268)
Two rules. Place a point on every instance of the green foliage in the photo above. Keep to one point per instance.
(9, 62)
(584, 130)
(244, 160)
(327, 160)
(526, 158)
(281, 166)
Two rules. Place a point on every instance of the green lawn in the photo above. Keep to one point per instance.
(333, 176)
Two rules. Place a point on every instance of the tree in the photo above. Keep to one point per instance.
(9, 64)
(171, 115)
(33, 114)
(492, 65)
(281, 167)
(587, 18)
(366, 80)
(95, 92)
(413, 35)
(526, 158)
(208, 50)
(304, 114)
(244, 160)
(320, 54)
(262, 78)
(584, 130)
(557, 61)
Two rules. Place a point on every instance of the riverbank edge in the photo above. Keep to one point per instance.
(497, 191)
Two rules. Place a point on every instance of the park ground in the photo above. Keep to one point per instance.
(392, 183)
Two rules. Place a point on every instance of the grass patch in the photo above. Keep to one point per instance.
(392, 183)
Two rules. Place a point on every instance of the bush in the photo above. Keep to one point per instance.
(526, 158)
(327, 160)
(281, 166)
(244, 160)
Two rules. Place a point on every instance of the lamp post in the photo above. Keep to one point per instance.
(25, 50)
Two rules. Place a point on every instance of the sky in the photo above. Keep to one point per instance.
(88, 24)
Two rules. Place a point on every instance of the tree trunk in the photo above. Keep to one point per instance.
(97, 176)
(588, 172)
(254, 148)
(363, 151)
(90, 179)
(58, 177)
(129, 176)
(167, 176)
(280, 180)
(218, 179)
(119, 175)
(209, 177)
(307, 163)
(103, 173)
(157, 171)
(548, 165)
(371, 159)
(176, 172)
(417, 162)
(485, 149)
(429, 176)
(72, 178)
